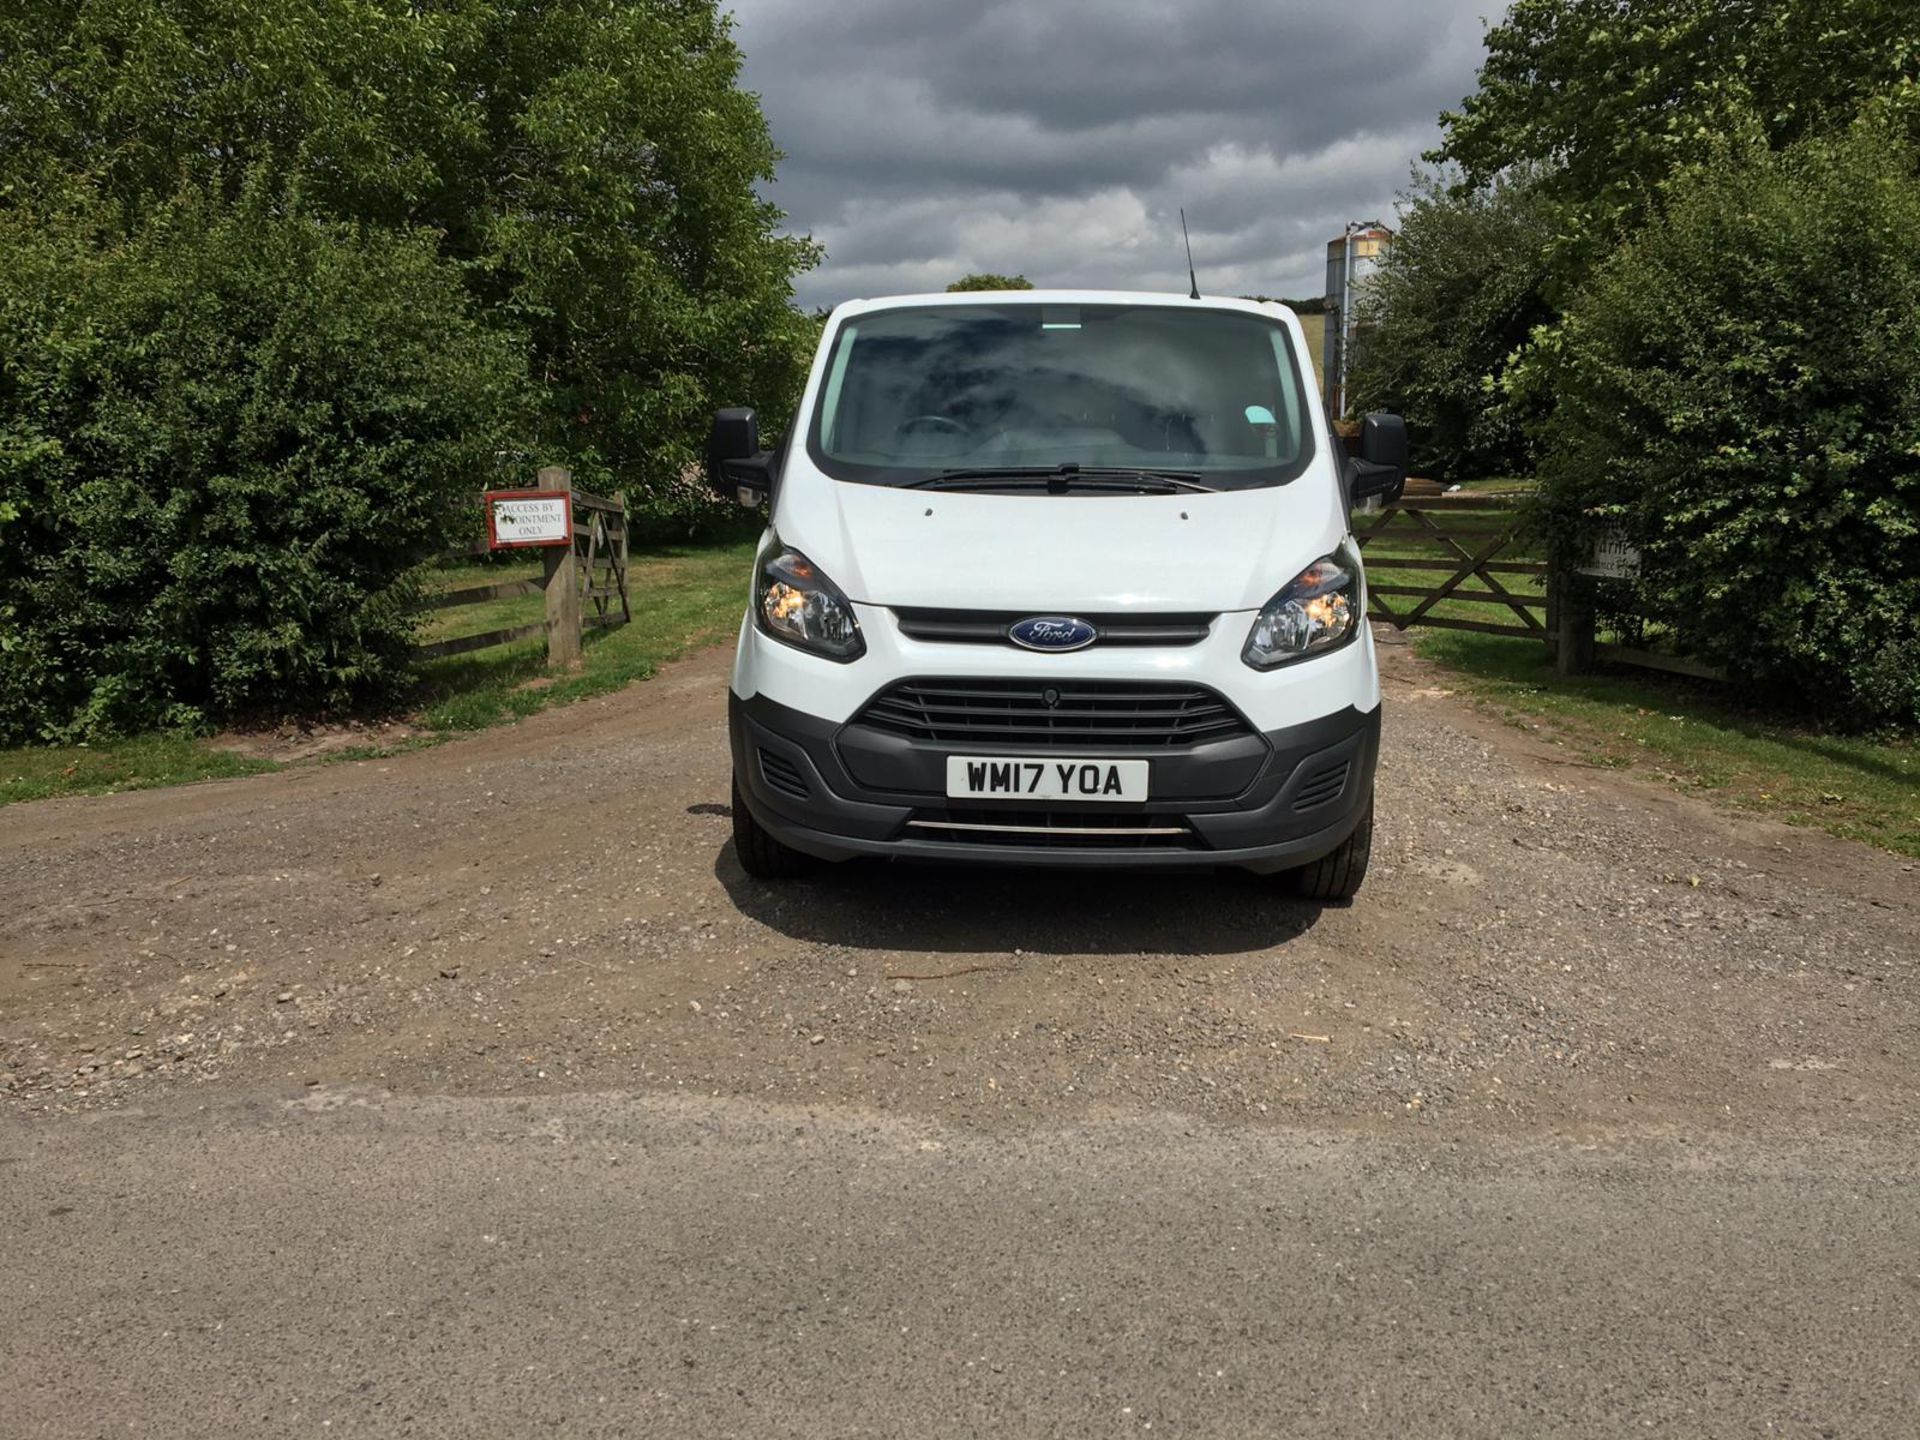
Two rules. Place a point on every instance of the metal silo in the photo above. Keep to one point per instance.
(1351, 263)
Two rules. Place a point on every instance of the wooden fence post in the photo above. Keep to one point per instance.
(562, 581)
(1573, 621)
(626, 601)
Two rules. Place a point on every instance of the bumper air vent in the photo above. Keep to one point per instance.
(1061, 714)
(783, 775)
(1322, 787)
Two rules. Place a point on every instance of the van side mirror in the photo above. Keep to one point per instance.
(737, 468)
(1381, 467)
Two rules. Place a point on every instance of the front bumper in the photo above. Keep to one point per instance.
(1295, 794)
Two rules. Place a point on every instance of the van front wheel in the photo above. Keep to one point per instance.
(1337, 876)
(760, 854)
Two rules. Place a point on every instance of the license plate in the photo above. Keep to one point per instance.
(1004, 777)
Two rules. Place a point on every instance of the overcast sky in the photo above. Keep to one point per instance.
(1056, 138)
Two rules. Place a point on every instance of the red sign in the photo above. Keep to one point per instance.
(517, 519)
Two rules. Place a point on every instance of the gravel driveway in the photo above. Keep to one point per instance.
(555, 907)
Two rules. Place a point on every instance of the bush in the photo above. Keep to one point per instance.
(1740, 389)
(1461, 289)
(224, 442)
(989, 281)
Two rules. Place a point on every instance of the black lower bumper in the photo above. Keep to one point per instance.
(1294, 798)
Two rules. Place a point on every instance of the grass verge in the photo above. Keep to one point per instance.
(143, 763)
(1859, 788)
(683, 597)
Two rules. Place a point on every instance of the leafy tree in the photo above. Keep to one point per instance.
(1586, 110)
(1313, 305)
(591, 164)
(989, 282)
(1611, 97)
(1461, 289)
(225, 441)
(1739, 388)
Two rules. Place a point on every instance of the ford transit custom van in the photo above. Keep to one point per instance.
(1058, 578)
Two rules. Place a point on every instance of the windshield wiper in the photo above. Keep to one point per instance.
(1059, 479)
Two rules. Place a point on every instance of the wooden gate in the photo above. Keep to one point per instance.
(603, 562)
(584, 581)
(1424, 557)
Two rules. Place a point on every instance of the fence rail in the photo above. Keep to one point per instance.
(478, 594)
(486, 640)
(584, 581)
(1460, 540)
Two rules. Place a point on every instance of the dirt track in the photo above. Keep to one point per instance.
(554, 907)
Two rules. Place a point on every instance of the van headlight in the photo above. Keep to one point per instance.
(1317, 610)
(794, 602)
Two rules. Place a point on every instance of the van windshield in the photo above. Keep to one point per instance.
(914, 393)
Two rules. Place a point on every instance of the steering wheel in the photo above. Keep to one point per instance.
(944, 423)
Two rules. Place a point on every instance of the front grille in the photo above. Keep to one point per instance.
(1322, 786)
(989, 627)
(1054, 830)
(783, 775)
(1054, 714)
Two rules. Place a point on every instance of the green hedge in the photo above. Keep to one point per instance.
(1740, 388)
(223, 444)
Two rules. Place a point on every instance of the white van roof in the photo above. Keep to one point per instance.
(1060, 297)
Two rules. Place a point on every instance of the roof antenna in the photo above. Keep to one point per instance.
(1195, 295)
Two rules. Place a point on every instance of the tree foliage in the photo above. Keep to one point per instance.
(1460, 291)
(989, 282)
(1308, 305)
(225, 441)
(590, 164)
(1608, 98)
(1584, 112)
(1740, 389)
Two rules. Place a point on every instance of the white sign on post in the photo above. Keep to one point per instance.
(1613, 558)
(529, 517)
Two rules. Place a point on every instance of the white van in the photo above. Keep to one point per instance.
(1058, 578)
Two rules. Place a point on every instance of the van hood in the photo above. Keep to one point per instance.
(1227, 550)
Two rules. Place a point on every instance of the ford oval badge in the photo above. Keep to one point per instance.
(1052, 632)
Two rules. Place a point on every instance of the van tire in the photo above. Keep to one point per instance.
(762, 856)
(1337, 876)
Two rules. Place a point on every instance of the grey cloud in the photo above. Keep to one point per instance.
(927, 138)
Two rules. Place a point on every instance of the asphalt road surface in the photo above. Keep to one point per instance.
(576, 1266)
(477, 1092)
